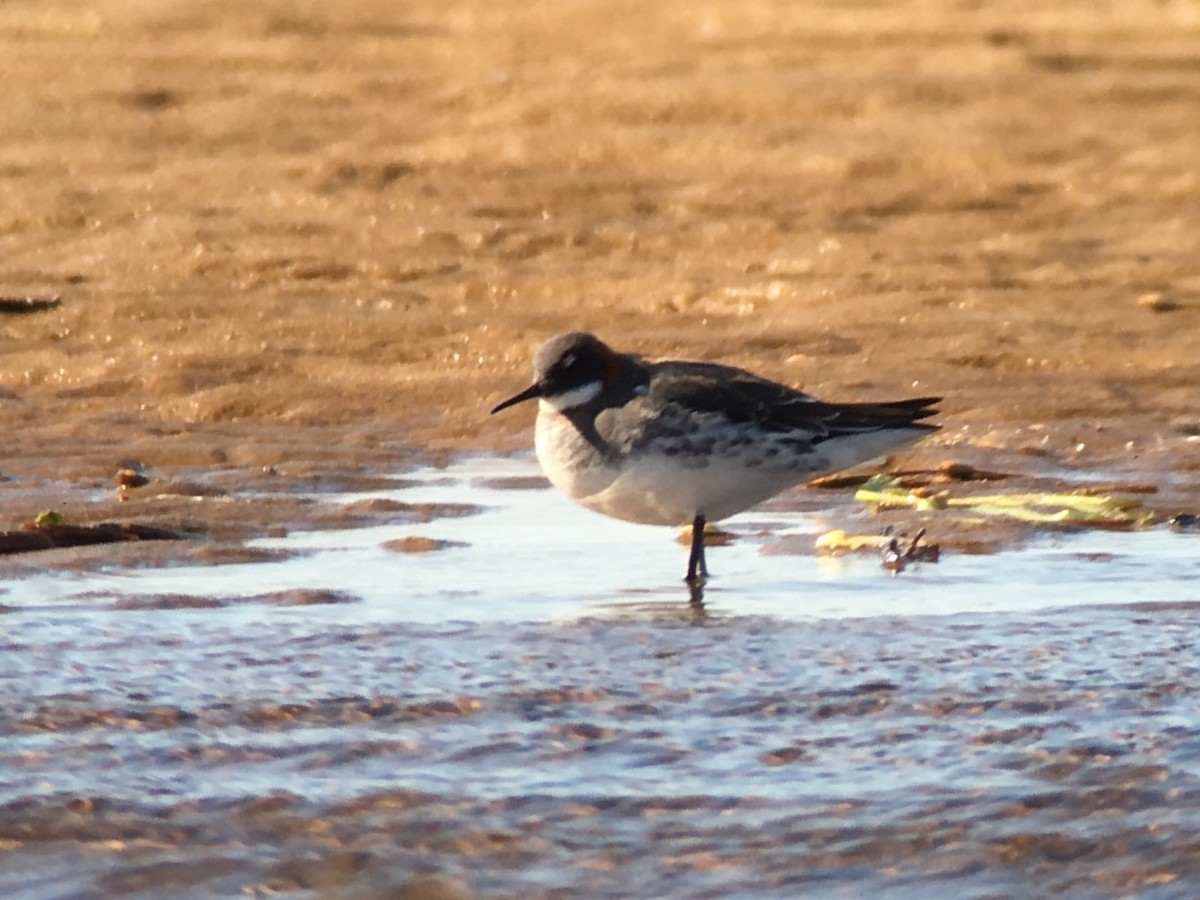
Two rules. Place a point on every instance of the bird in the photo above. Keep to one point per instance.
(677, 442)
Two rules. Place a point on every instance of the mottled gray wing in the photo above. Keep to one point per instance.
(682, 396)
(740, 396)
(685, 405)
(777, 407)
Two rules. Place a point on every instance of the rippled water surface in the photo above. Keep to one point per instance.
(535, 706)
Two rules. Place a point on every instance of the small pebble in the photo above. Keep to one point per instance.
(419, 544)
(1156, 301)
(131, 478)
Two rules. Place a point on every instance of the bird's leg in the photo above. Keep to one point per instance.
(697, 569)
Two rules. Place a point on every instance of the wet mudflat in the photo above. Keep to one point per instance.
(566, 723)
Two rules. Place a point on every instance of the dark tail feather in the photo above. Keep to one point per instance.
(848, 418)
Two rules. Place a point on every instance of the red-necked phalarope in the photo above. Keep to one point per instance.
(672, 443)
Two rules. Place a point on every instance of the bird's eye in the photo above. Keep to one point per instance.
(567, 361)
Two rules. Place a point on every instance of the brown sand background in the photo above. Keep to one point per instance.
(361, 218)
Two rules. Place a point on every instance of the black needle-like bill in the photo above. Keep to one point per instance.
(528, 394)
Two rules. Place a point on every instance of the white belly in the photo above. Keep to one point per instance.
(657, 490)
(672, 489)
(654, 489)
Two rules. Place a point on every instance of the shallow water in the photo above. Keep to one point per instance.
(516, 551)
(535, 710)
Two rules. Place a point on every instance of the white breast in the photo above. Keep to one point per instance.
(655, 488)
(705, 473)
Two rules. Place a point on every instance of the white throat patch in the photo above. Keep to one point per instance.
(573, 398)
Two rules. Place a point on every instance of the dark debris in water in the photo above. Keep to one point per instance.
(22, 306)
(946, 472)
(53, 535)
(897, 557)
(131, 477)
(1185, 522)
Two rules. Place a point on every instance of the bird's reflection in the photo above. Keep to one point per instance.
(696, 599)
(689, 607)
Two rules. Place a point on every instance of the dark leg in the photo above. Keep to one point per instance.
(697, 570)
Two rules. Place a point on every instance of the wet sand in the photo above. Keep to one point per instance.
(365, 219)
(299, 248)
